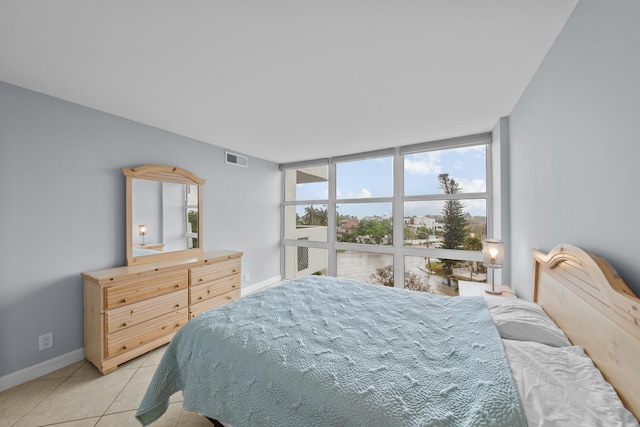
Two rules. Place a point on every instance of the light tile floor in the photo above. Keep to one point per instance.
(79, 396)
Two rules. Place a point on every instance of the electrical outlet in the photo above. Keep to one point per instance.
(45, 341)
(246, 277)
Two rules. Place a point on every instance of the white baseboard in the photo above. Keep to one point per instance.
(260, 285)
(44, 368)
(48, 366)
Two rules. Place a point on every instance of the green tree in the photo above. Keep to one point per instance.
(423, 232)
(350, 237)
(410, 233)
(192, 218)
(454, 219)
(313, 216)
(377, 230)
(323, 218)
(473, 243)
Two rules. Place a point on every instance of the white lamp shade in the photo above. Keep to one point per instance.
(142, 230)
(493, 253)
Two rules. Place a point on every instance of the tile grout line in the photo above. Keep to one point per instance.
(66, 378)
(48, 394)
(179, 416)
(69, 421)
(123, 387)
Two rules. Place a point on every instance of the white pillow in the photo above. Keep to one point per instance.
(522, 320)
(560, 386)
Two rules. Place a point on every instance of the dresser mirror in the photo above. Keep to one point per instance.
(164, 214)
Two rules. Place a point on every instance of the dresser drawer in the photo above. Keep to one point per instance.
(126, 339)
(214, 288)
(201, 307)
(206, 273)
(144, 287)
(132, 314)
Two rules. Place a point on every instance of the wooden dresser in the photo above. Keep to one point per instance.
(131, 310)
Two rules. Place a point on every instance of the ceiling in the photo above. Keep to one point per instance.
(285, 80)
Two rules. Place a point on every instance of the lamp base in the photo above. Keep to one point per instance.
(493, 292)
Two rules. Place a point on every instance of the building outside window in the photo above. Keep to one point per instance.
(303, 256)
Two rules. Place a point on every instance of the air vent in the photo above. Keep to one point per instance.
(236, 159)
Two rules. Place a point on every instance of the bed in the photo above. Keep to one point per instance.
(331, 352)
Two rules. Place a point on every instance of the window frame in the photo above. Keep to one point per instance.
(189, 235)
(398, 249)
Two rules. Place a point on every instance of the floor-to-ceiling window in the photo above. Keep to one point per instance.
(445, 216)
(364, 217)
(413, 216)
(305, 221)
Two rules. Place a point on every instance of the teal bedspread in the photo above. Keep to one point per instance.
(330, 352)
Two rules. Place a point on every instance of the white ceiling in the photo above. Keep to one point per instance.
(285, 80)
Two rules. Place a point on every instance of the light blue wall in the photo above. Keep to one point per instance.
(575, 144)
(62, 211)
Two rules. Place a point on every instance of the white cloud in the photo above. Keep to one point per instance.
(476, 207)
(422, 208)
(423, 164)
(478, 150)
(473, 185)
(364, 193)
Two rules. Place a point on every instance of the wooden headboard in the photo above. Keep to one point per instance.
(587, 299)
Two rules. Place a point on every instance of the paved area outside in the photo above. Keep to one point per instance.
(361, 265)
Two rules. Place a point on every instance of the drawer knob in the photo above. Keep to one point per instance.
(123, 300)
(234, 270)
(228, 297)
(124, 347)
(177, 305)
(124, 324)
(164, 327)
(200, 279)
(177, 325)
(177, 286)
(208, 291)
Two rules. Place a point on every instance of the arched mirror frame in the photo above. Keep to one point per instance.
(163, 174)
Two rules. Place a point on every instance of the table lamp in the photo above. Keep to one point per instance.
(142, 231)
(493, 257)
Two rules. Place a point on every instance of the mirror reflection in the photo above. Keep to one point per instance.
(164, 217)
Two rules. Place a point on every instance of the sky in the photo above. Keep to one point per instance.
(374, 178)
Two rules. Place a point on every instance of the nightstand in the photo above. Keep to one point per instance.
(468, 289)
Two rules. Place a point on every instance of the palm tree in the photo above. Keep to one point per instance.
(313, 216)
(310, 214)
